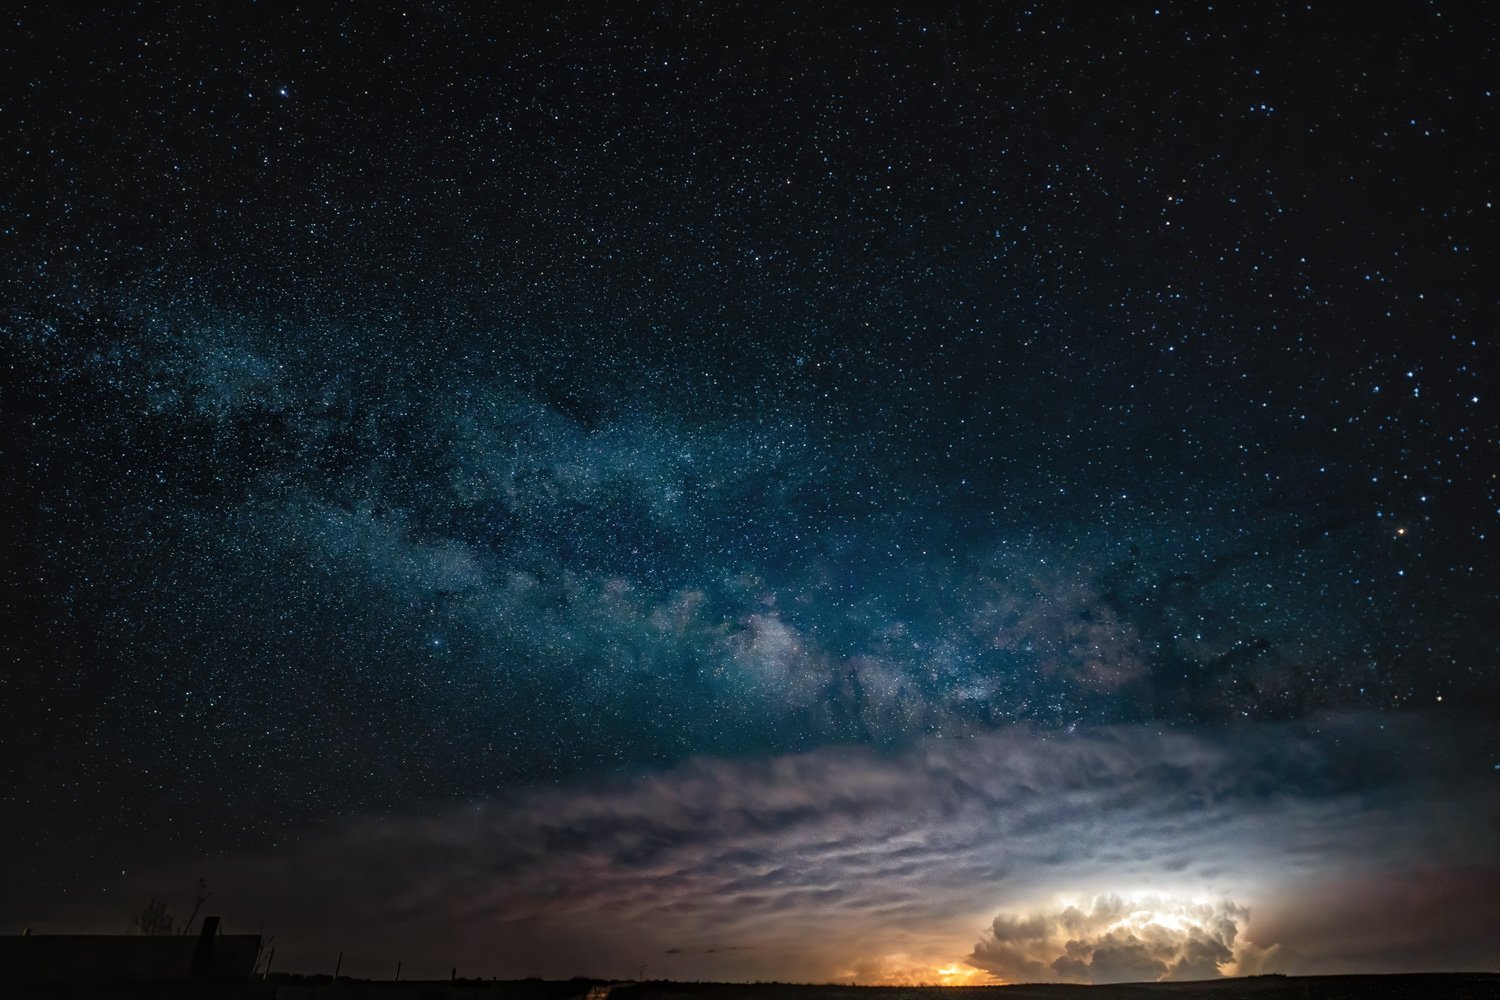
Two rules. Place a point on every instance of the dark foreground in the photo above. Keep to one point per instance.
(1427, 986)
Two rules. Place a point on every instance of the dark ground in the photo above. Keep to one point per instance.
(1428, 986)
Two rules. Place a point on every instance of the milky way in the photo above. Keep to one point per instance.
(417, 415)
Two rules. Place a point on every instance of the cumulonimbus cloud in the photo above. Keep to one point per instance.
(1116, 938)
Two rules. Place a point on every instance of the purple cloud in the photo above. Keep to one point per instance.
(815, 866)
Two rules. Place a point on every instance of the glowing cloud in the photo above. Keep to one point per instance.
(1120, 939)
(901, 969)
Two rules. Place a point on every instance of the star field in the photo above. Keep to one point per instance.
(408, 408)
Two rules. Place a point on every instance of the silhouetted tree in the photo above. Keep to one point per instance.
(153, 920)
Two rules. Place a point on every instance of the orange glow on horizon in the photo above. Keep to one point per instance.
(958, 974)
(903, 970)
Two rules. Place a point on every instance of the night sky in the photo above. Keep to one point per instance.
(973, 493)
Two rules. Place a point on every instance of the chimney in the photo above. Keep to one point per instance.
(203, 954)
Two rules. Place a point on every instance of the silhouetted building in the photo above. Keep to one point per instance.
(85, 957)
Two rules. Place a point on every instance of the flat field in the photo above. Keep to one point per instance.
(1434, 986)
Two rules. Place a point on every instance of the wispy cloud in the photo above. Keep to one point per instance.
(808, 865)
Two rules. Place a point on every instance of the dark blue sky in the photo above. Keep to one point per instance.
(411, 413)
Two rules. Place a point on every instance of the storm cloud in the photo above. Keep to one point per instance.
(1117, 939)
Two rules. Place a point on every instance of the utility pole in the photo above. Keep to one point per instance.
(203, 895)
(337, 966)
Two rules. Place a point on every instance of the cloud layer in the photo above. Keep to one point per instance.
(825, 865)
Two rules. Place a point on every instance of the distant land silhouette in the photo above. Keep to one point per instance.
(1415, 986)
